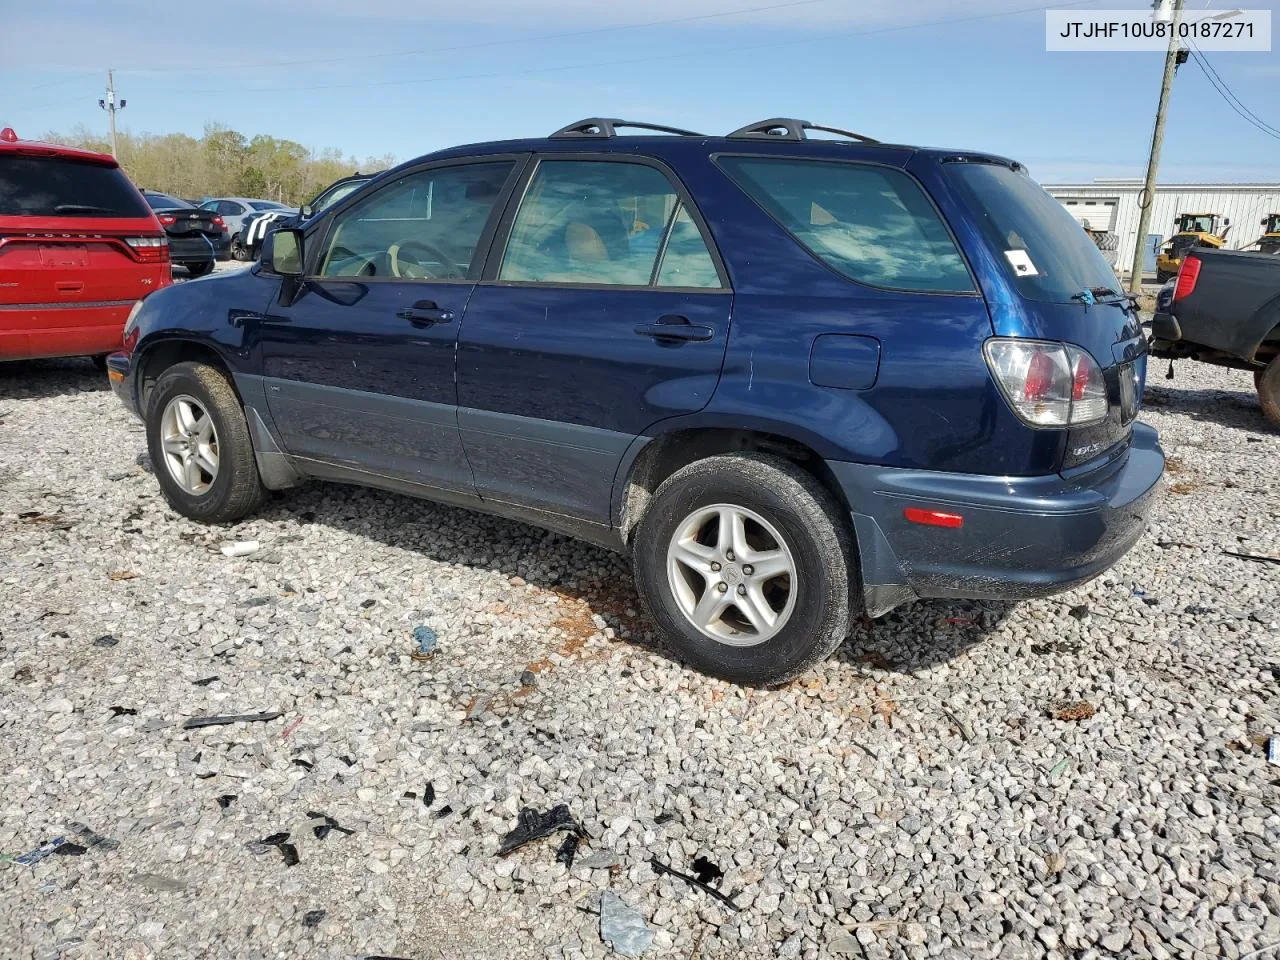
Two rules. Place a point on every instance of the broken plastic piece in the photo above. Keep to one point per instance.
(40, 852)
(1255, 557)
(622, 927)
(706, 871)
(427, 642)
(568, 850)
(290, 854)
(660, 868)
(106, 640)
(241, 548)
(1079, 611)
(312, 918)
(534, 826)
(304, 764)
(203, 683)
(444, 812)
(368, 603)
(1197, 611)
(428, 795)
(226, 800)
(1273, 750)
(196, 722)
(123, 712)
(322, 830)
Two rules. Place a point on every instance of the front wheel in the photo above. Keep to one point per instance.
(743, 562)
(1267, 381)
(199, 442)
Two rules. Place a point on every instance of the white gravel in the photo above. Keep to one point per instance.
(912, 797)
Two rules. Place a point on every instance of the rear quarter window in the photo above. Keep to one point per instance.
(871, 224)
(62, 187)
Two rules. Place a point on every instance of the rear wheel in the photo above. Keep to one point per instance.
(199, 442)
(742, 560)
(238, 250)
(200, 269)
(1267, 381)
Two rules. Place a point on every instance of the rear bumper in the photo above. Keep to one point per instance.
(120, 376)
(62, 331)
(198, 249)
(1022, 536)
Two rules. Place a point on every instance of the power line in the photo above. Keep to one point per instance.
(1243, 111)
(1202, 61)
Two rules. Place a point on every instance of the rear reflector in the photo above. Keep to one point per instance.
(1188, 274)
(933, 518)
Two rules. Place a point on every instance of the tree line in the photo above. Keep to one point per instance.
(224, 163)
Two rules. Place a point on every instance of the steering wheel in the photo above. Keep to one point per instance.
(411, 269)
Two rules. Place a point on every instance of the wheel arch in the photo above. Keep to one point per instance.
(156, 356)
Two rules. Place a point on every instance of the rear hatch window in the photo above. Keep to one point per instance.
(63, 187)
(869, 223)
(1043, 249)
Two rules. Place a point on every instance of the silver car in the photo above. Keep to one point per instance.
(236, 212)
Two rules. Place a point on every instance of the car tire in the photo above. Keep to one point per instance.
(1267, 380)
(200, 269)
(1162, 276)
(232, 489)
(789, 521)
(238, 250)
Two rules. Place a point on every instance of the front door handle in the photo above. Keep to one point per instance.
(675, 328)
(425, 313)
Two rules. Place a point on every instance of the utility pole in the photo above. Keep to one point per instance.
(1148, 195)
(109, 105)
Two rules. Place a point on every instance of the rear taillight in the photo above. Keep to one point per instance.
(1188, 274)
(1048, 384)
(167, 219)
(149, 249)
(219, 222)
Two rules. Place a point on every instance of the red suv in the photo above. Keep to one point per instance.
(79, 247)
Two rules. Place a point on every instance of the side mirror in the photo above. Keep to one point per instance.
(282, 252)
(306, 213)
(1263, 221)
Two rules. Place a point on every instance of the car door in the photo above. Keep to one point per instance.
(232, 213)
(607, 312)
(359, 364)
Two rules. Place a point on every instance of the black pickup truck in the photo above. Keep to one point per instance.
(1224, 308)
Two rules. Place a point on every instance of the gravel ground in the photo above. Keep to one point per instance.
(924, 793)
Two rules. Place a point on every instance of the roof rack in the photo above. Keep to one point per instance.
(786, 128)
(601, 127)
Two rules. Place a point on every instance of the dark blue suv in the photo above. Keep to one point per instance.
(796, 378)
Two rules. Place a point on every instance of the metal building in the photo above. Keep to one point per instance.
(1112, 206)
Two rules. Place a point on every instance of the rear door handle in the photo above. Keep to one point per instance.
(672, 328)
(424, 313)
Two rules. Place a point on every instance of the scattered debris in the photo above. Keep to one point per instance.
(123, 712)
(293, 725)
(226, 800)
(660, 868)
(205, 682)
(528, 679)
(1055, 646)
(277, 841)
(623, 928)
(304, 764)
(1072, 710)
(667, 816)
(40, 852)
(427, 642)
(322, 830)
(106, 640)
(256, 601)
(706, 871)
(313, 918)
(1255, 557)
(55, 521)
(1196, 611)
(154, 881)
(241, 548)
(1080, 611)
(1151, 601)
(1058, 769)
(966, 731)
(122, 575)
(534, 826)
(428, 794)
(1273, 749)
(65, 847)
(1166, 544)
(196, 722)
(444, 812)
(367, 604)
(568, 850)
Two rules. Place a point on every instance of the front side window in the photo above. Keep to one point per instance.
(229, 208)
(424, 226)
(872, 224)
(607, 223)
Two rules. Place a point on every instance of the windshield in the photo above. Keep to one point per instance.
(162, 201)
(1045, 251)
(1196, 225)
(60, 187)
(267, 205)
(334, 194)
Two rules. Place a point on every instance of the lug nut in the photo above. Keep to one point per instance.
(729, 555)
(742, 591)
(747, 569)
(715, 566)
(722, 587)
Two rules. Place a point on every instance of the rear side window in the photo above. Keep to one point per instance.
(162, 201)
(1042, 246)
(605, 223)
(872, 224)
(60, 187)
(266, 205)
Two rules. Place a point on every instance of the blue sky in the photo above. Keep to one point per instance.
(395, 76)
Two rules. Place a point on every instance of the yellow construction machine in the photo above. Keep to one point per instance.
(1190, 230)
(1269, 242)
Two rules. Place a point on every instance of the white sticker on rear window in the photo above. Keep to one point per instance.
(1021, 263)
